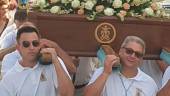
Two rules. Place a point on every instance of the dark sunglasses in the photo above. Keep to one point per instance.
(26, 44)
(130, 51)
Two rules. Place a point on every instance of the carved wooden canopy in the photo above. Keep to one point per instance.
(76, 35)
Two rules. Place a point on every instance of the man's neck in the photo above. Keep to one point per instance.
(26, 63)
(129, 72)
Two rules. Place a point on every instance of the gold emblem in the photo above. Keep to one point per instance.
(105, 33)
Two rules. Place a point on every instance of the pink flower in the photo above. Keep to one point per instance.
(154, 6)
(80, 11)
(99, 8)
(123, 13)
(126, 6)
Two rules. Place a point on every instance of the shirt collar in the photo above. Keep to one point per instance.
(138, 77)
(20, 68)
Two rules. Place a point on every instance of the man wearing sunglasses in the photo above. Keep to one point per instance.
(9, 46)
(129, 80)
(30, 78)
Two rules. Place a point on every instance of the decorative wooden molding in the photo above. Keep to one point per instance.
(76, 35)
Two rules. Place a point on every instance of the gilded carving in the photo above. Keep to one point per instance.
(105, 33)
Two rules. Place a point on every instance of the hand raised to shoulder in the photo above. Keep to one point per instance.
(109, 62)
(45, 43)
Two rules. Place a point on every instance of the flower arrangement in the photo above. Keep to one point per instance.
(94, 8)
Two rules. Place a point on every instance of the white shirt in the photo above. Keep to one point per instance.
(166, 76)
(38, 81)
(140, 85)
(7, 30)
(8, 61)
(9, 39)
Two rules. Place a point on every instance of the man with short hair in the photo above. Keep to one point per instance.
(29, 77)
(130, 80)
(9, 42)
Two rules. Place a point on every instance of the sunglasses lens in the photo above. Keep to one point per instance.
(130, 51)
(139, 55)
(35, 43)
(26, 44)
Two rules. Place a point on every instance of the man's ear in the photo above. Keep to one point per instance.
(120, 51)
(17, 47)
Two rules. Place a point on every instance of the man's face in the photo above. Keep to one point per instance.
(28, 46)
(131, 55)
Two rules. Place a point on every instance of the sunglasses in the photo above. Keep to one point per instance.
(26, 44)
(130, 51)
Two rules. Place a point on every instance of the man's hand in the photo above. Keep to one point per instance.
(109, 62)
(50, 51)
(162, 65)
(44, 43)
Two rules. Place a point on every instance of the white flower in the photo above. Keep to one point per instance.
(41, 3)
(128, 1)
(149, 11)
(54, 1)
(117, 4)
(65, 1)
(159, 6)
(82, 4)
(139, 2)
(89, 5)
(158, 13)
(136, 2)
(75, 3)
(55, 9)
(94, 1)
(109, 11)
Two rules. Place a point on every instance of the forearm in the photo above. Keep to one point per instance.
(66, 59)
(66, 87)
(96, 88)
(161, 93)
(165, 90)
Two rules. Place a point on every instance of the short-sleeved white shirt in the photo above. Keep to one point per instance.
(141, 84)
(9, 61)
(166, 76)
(41, 80)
